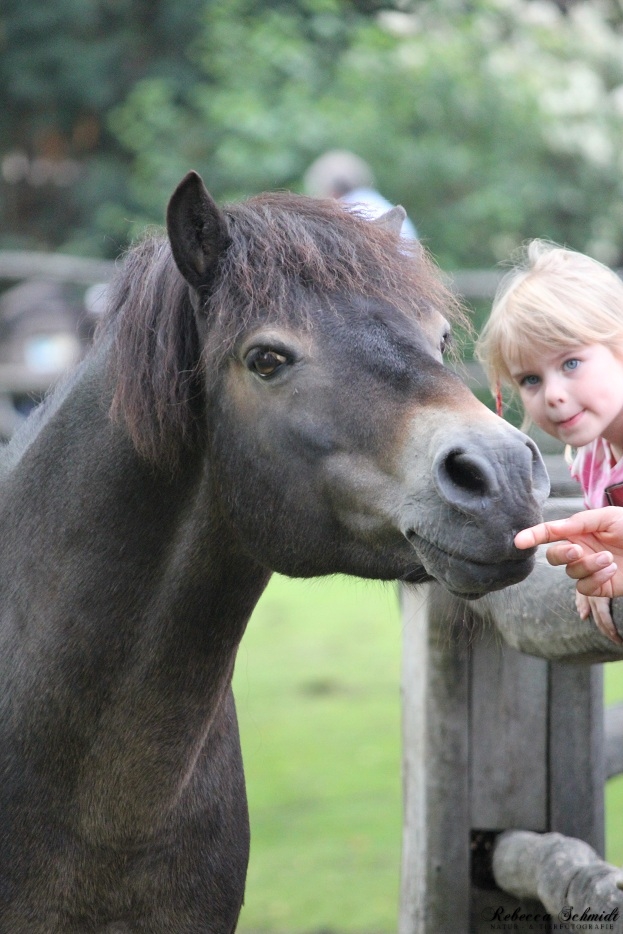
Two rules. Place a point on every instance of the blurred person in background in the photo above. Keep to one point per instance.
(343, 175)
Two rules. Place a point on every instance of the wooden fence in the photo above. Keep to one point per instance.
(506, 746)
(17, 265)
(505, 753)
(472, 284)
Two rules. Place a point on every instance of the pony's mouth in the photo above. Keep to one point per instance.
(469, 577)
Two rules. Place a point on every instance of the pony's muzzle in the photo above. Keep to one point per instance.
(475, 476)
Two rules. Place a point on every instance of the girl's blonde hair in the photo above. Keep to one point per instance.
(552, 298)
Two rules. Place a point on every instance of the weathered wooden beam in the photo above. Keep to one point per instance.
(539, 617)
(435, 890)
(469, 284)
(475, 284)
(479, 284)
(18, 378)
(575, 714)
(508, 736)
(565, 875)
(27, 264)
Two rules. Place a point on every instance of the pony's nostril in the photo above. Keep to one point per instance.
(464, 472)
(466, 480)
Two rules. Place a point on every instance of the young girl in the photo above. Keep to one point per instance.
(555, 335)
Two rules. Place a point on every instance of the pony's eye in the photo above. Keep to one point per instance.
(446, 340)
(265, 362)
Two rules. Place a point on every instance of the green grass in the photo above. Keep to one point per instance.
(317, 690)
(613, 693)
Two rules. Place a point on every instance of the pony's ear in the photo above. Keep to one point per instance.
(392, 219)
(197, 231)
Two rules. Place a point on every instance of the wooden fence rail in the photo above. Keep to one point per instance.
(472, 284)
(565, 875)
(25, 264)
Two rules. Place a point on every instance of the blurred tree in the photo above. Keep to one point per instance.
(63, 65)
(491, 121)
(257, 117)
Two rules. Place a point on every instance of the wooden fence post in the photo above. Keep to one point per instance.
(435, 867)
(495, 740)
(472, 707)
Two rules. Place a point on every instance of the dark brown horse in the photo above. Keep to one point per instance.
(267, 393)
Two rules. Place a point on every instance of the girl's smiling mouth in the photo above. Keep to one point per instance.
(570, 422)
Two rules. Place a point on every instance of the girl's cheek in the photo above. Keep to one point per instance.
(529, 402)
(534, 410)
(541, 421)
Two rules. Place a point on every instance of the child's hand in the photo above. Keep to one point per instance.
(599, 608)
(580, 544)
(589, 543)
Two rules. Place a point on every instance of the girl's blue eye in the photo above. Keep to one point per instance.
(530, 380)
(571, 364)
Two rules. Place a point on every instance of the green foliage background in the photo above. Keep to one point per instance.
(491, 121)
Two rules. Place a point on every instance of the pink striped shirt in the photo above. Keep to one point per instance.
(595, 468)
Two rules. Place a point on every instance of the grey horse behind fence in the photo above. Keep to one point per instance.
(267, 393)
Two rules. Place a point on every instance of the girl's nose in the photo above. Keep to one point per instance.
(554, 391)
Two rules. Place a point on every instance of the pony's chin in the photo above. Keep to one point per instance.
(467, 578)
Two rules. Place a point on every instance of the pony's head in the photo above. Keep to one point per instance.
(298, 347)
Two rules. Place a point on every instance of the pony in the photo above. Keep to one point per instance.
(266, 393)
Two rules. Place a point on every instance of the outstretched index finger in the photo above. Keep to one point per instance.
(541, 534)
(596, 525)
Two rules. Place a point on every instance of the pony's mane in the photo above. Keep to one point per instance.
(280, 244)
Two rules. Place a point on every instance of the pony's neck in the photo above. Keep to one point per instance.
(131, 615)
